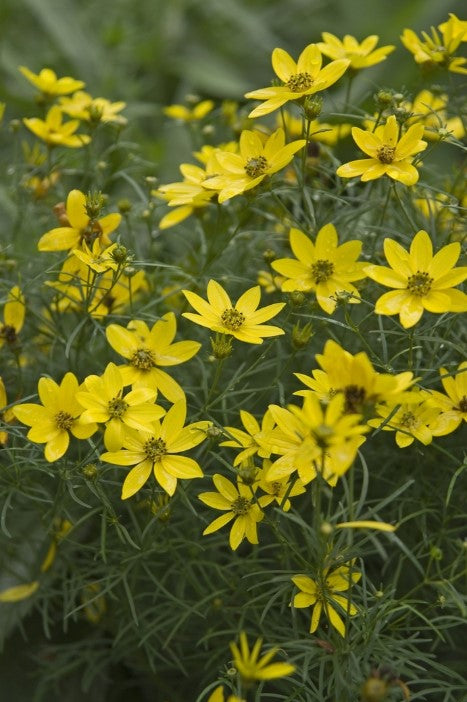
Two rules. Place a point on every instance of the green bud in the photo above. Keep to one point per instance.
(436, 553)
(120, 254)
(301, 335)
(221, 346)
(94, 203)
(383, 98)
(89, 471)
(124, 205)
(296, 298)
(313, 106)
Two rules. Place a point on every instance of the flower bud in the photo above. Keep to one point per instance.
(221, 346)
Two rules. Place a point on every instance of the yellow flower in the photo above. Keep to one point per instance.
(354, 377)
(156, 452)
(242, 320)
(6, 415)
(218, 696)
(278, 490)
(251, 667)
(324, 593)
(389, 155)
(438, 49)
(421, 281)
(19, 592)
(239, 505)
(97, 258)
(55, 132)
(323, 267)
(88, 109)
(453, 404)
(186, 196)
(13, 317)
(245, 170)
(104, 402)
(429, 109)
(410, 421)
(247, 439)
(184, 114)
(81, 226)
(361, 55)
(146, 350)
(299, 80)
(52, 422)
(48, 83)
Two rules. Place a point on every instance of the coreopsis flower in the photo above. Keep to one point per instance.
(186, 196)
(313, 440)
(6, 415)
(269, 282)
(14, 312)
(239, 505)
(453, 404)
(299, 80)
(156, 451)
(389, 154)
(361, 54)
(47, 82)
(324, 593)
(438, 49)
(421, 281)
(81, 226)
(185, 114)
(251, 667)
(278, 490)
(323, 267)
(429, 109)
(410, 421)
(55, 132)
(56, 418)
(247, 439)
(104, 402)
(148, 349)
(98, 258)
(244, 320)
(254, 162)
(357, 380)
(88, 109)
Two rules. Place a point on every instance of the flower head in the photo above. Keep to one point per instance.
(361, 55)
(389, 154)
(324, 593)
(251, 667)
(421, 281)
(299, 80)
(55, 132)
(244, 320)
(324, 267)
(410, 420)
(438, 49)
(48, 83)
(453, 404)
(56, 418)
(88, 109)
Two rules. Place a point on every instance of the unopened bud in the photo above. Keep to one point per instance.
(94, 203)
(383, 98)
(221, 346)
(297, 298)
(313, 106)
(124, 205)
(301, 335)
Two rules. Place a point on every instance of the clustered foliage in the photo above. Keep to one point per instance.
(199, 382)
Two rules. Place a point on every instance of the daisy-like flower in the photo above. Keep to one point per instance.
(104, 402)
(244, 320)
(81, 226)
(14, 312)
(156, 451)
(278, 490)
(413, 420)
(54, 131)
(299, 80)
(324, 593)
(47, 82)
(248, 439)
(361, 55)
(421, 281)
(147, 349)
(88, 109)
(251, 667)
(438, 49)
(389, 155)
(188, 195)
(453, 404)
(255, 160)
(238, 505)
(185, 114)
(324, 267)
(97, 258)
(357, 380)
(56, 418)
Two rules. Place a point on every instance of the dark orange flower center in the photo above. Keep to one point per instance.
(143, 359)
(408, 420)
(299, 82)
(241, 506)
(8, 333)
(354, 398)
(63, 420)
(463, 404)
(386, 154)
(419, 284)
(117, 407)
(155, 448)
(256, 166)
(232, 319)
(321, 270)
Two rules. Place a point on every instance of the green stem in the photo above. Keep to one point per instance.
(401, 205)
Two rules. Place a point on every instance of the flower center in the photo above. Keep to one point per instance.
(256, 166)
(354, 397)
(91, 232)
(386, 154)
(276, 488)
(143, 359)
(299, 82)
(408, 420)
(241, 506)
(463, 404)
(63, 420)
(232, 319)
(155, 448)
(321, 270)
(117, 407)
(322, 435)
(419, 284)
(8, 332)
